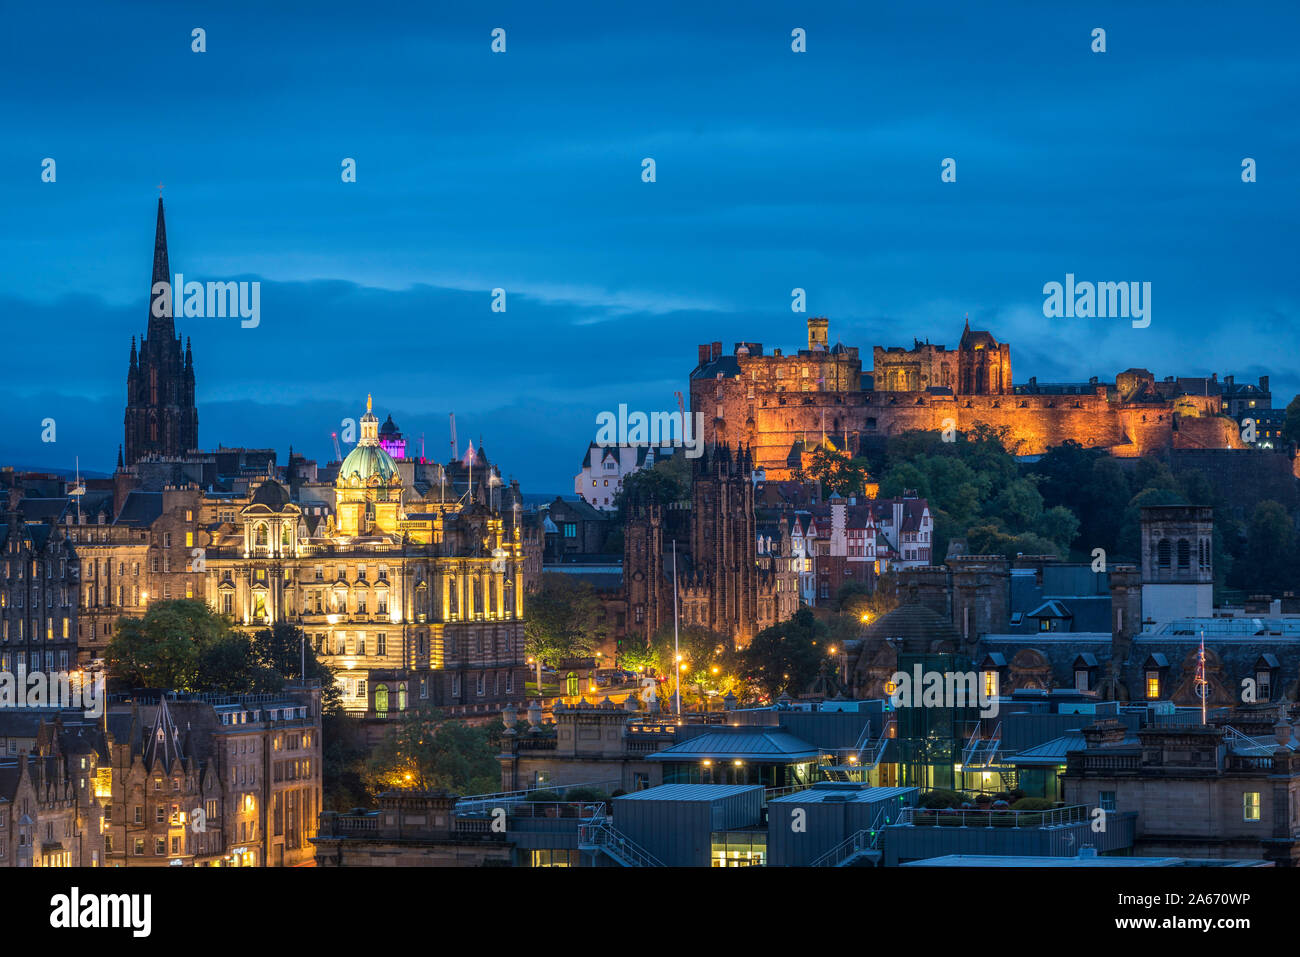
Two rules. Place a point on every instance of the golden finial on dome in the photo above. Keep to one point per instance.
(367, 402)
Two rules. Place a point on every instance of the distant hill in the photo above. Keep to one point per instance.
(68, 473)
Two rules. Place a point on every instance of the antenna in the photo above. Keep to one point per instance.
(78, 489)
(455, 449)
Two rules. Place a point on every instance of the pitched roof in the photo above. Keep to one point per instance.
(752, 743)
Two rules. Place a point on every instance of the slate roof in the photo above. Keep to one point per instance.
(140, 508)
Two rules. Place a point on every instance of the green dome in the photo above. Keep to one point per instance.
(367, 460)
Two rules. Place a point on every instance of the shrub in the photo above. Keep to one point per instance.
(586, 794)
(940, 798)
(1032, 804)
(544, 796)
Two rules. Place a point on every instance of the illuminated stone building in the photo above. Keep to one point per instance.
(415, 599)
(724, 584)
(49, 816)
(39, 583)
(213, 780)
(774, 405)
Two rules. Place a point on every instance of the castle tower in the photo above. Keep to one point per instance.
(161, 418)
(818, 334)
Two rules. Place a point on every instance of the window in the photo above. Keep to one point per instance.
(1081, 680)
(1107, 800)
(571, 529)
(1250, 806)
(990, 684)
(1153, 684)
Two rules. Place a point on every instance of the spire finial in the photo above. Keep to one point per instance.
(368, 402)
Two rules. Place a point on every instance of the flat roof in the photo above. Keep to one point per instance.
(1012, 860)
(843, 794)
(689, 793)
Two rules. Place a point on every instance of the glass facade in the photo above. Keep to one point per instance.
(738, 849)
(732, 771)
(930, 734)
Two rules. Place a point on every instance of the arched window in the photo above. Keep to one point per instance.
(284, 536)
(381, 699)
(259, 535)
(1184, 553)
(401, 697)
(1164, 553)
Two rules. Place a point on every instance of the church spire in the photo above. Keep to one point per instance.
(160, 326)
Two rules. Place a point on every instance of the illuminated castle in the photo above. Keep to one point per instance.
(777, 405)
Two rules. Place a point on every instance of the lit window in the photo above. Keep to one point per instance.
(1153, 684)
(1250, 806)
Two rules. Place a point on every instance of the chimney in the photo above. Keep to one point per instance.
(717, 350)
(1104, 733)
(704, 353)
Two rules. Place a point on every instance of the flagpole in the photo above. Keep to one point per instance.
(1202, 683)
(677, 658)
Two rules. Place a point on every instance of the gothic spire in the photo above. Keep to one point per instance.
(160, 326)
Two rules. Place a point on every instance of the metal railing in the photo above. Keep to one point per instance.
(473, 803)
(865, 840)
(597, 834)
(965, 817)
(981, 752)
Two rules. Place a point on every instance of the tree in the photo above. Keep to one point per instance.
(785, 657)
(1270, 550)
(666, 482)
(704, 660)
(1058, 524)
(162, 648)
(564, 620)
(426, 752)
(1291, 427)
(1019, 505)
(837, 473)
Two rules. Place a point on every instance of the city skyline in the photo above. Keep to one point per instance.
(825, 175)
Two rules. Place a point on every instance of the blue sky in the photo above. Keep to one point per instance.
(522, 170)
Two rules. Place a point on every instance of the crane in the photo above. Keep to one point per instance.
(338, 452)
